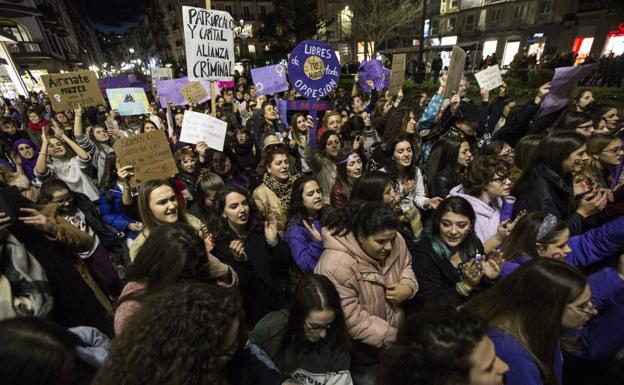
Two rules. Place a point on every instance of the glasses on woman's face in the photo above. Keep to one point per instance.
(316, 328)
(587, 308)
(615, 150)
(502, 179)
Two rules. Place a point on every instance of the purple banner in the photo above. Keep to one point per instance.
(169, 91)
(561, 87)
(270, 79)
(373, 70)
(113, 82)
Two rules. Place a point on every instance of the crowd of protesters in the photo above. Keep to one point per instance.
(386, 253)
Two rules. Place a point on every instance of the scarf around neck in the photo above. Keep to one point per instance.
(283, 190)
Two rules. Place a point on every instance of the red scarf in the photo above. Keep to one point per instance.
(35, 127)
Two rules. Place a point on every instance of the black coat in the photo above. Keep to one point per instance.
(258, 278)
(544, 190)
(443, 182)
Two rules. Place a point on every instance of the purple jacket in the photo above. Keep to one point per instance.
(305, 250)
(522, 368)
(602, 337)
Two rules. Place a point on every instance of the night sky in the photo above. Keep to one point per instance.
(113, 15)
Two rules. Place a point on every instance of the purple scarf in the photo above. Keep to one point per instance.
(27, 164)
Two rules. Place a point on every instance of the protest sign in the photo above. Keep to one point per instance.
(373, 70)
(209, 43)
(198, 127)
(561, 88)
(489, 78)
(270, 79)
(161, 73)
(455, 71)
(397, 75)
(149, 155)
(71, 88)
(128, 101)
(169, 91)
(193, 92)
(313, 69)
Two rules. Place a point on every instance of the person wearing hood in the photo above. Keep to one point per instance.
(486, 183)
(368, 262)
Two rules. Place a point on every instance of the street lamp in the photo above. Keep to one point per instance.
(131, 50)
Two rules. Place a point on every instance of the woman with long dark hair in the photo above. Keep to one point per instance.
(299, 138)
(309, 340)
(455, 156)
(207, 186)
(303, 233)
(368, 262)
(373, 186)
(528, 321)
(253, 248)
(546, 184)
(580, 122)
(448, 264)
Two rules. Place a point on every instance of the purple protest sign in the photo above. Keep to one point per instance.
(113, 82)
(561, 87)
(270, 79)
(169, 91)
(373, 70)
(313, 69)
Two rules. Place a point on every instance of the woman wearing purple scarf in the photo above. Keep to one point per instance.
(27, 152)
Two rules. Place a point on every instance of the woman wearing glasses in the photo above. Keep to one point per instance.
(528, 322)
(605, 152)
(308, 341)
(486, 182)
(543, 235)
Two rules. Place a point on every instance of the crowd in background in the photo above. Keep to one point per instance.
(411, 240)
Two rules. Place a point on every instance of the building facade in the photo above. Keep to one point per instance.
(47, 36)
(540, 27)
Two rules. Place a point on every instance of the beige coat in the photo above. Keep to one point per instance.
(361, 283)
(268, 203)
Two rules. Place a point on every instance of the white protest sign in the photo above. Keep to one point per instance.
(489, 78)
(198, 127)
(161, 73)
(209, 43)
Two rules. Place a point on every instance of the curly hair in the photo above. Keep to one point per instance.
(176, 338)
(433, 347)
(481, 172)
(397, 124)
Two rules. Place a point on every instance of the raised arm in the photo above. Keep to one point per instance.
(41, 166)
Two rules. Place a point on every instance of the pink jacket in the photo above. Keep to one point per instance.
(361, 283)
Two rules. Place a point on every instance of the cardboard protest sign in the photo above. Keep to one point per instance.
(71, 88)
(128, 101)
(149, 155)
(193, 91)
(209, 42)
(373, 70)
(455, 71)
(169, 91)
(561, 88)
(161, 73)
(270, 79)
(313, 69)
(397, 75)
(198, 127)
(489, 78)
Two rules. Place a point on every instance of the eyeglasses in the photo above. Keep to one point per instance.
(502, 179)
(588, 308)
(317, 328)
(615, 150)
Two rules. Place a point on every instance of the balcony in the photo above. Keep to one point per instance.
(27, 49)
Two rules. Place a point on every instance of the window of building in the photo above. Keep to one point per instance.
(452, 23)
(494, 15)
(12, 28)
(246, 12)
(435, 27)
(518, 15)
(470, 22)
(263, 11)
(545, 7)
(454, 3)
